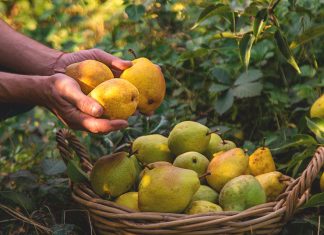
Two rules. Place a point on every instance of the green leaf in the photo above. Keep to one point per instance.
(315, 201)
(135, 12)
(75, 173)
(296, 141)
(193, 54)
(226, 35)
(245, 46)
(248, 90)
(215, 88)
(307, 35)
(248, 76)
(211, 10)
(222, 75)
(53, 166)
(224, 102)
(316, 125)
(259, 22)
(284, 49)
(18, 198)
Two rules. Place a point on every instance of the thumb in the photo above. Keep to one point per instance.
(89, 106)
(121, 64)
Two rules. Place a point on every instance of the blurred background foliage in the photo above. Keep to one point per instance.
(220, 70)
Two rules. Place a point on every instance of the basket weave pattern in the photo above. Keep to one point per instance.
(109, 218)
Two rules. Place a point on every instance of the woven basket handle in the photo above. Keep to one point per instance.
(304, 182)
(66, 141)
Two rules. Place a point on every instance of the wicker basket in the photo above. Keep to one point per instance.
(109, 218)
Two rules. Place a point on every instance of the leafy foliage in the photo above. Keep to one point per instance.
(250, 68)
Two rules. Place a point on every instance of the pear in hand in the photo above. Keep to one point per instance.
(149, 80)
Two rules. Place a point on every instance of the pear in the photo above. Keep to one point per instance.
(271, 184)
(317, 109)
(261, 161)
(224, 145)
(129, 200)
(217, 154)
(212, 148)
(152, 148)
(89, 74)
(149, 80)
(322, 182)
(118, 97)
(152, 166)
(205, 193)
(225, 167)
(198, 207)
(189, 136)
(241, 193)
(192, 160)
(167, 189)
(138, 167)
(113, 175)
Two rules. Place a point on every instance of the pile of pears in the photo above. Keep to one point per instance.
(191, 171)
(140, 87)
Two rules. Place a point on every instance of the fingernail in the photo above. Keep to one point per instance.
(118, 124)
(96, 110)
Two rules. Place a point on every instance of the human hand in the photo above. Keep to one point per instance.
(62, 95)
(116, 64)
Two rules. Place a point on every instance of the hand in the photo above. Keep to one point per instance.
(65, 99)
(116, 64)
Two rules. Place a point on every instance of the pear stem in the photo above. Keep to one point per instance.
(131, 51)
(263, 143)
(146, 166)
(245, 151)
(131, 152)
(211, 132)
(204, 175)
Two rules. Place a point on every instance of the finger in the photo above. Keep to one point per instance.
(104, 57)
(82, 121)
(71, 92)
(112, 61)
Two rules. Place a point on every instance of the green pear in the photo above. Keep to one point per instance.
(129, 200)
(189, 136)
(213, 147)
(152, 148)
(225, 167)
(192, 160)
(205, 193)
(198, 207)
(138, 167)
(113, 175)
(224, 145)
(152, 166)
(241, 193)
(167, 189)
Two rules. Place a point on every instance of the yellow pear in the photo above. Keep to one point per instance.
(188, 136)
(167, 189)
(225, 167)
(149, 80)
(89, 74)
(152, 148)
(152, 166)
(261, 161)
(317, 109)
(271, 184)
(129, 200)
(113, 174)
(201, 206)
(322, 182)
(118, 97)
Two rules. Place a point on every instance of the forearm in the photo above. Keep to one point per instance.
(23, 55)
(22, 89)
